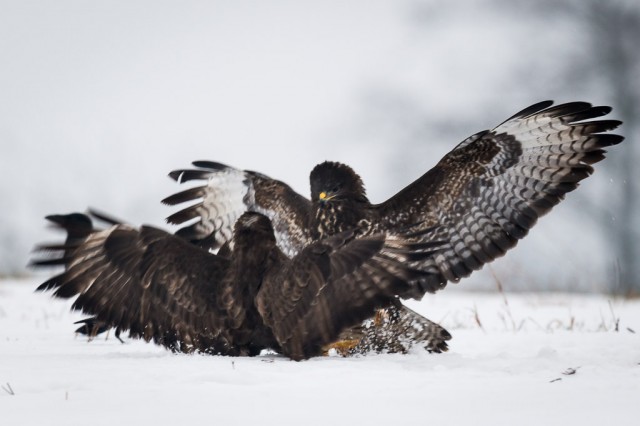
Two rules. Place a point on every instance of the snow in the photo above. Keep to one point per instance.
(504, 372)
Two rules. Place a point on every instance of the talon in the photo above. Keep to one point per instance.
(342, 347)
(381, 316)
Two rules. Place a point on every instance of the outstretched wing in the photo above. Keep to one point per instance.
(229, 192)
(489, 191)
(152, 283)
(333, 284)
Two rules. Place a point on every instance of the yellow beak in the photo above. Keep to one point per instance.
(323, 195)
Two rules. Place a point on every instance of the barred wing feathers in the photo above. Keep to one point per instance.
(229, 192)
(336, 283)
(161, 287)
(490, 190)
(149, 282)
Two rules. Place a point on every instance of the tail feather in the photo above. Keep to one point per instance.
(396, 329)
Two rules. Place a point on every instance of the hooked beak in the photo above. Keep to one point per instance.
(324, 197)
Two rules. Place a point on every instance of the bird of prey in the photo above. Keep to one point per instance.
(395, 329)
(163, 288)
(483, 196)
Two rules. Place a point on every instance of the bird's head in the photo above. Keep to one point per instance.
(332, 182)
(252, 228)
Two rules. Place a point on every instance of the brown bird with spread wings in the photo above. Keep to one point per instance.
(163, 288)
(484, 195)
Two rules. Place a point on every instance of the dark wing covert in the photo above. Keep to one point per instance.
(336, 283)
(147, 281)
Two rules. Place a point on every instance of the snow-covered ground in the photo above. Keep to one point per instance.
(507, 364)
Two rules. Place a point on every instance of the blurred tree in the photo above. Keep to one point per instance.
(615, 31)
(566, 50)
(610, 30)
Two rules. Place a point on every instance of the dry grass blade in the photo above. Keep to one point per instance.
(570, 371)
(616, 320)
(476, 317)
(504, 298)
(8, 389)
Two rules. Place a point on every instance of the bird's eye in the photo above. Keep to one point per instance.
(335, 188)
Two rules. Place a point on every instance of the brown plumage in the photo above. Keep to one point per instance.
(484, 195)
(163, 288)
(78, 227)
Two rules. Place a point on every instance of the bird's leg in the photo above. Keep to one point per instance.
(344, 347)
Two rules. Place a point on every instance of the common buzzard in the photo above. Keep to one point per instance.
(163, 288)
(483, 196)
(394, 329)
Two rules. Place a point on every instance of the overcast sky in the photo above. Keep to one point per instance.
(100, 100)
